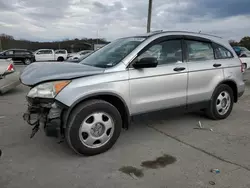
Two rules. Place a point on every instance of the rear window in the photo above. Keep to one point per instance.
(22, 52)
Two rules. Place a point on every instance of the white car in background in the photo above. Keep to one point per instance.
(76, 56)
(244, 55)
(50, 55)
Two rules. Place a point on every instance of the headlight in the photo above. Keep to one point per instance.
(48, 90)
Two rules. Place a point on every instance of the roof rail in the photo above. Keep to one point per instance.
(161, 31)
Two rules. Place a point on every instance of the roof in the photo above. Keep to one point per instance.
(17, 49)
(177, 32)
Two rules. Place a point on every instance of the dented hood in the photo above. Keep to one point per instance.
(46, 71)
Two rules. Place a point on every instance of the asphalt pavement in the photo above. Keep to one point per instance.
(158, 151)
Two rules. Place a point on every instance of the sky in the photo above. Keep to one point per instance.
(50, 20)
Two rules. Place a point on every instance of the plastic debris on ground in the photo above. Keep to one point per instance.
(215, 171)
(203, 128)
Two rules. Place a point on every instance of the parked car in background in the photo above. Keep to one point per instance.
(244, 55)
(78, 54)
(91, 101)
(9, 78)
(18, 55)
(241, 51)
(77, 60)
(50, 55)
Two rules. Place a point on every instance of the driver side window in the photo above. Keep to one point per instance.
(166, 52)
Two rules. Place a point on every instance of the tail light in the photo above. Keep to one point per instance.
(242, 66)
(10, 68)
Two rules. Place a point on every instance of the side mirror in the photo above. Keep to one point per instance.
(146, 62)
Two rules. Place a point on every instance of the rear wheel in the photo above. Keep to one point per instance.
(27, 61)
(93, 127)
(60, 59)
(221, 103)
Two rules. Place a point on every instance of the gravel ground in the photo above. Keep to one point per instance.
(158, 151)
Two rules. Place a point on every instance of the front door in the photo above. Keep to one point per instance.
(9, 54)
(161, 87)
(44, 55)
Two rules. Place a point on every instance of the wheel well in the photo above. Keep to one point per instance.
(60, 58)
(233, 85)
(115, 101)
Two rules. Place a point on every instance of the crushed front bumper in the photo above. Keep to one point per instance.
(46, 113)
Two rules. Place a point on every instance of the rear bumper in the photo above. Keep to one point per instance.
(9, 82)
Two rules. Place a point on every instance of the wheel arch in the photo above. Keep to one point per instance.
(112, 98)
(60, 57)
(232, 84)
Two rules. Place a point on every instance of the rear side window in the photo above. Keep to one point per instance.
(19, 52)
(60, 52)
(221, 52)
(199, 51)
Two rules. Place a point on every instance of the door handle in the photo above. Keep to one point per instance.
(179, 68)
(216, 65)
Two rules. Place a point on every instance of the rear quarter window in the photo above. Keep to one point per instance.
(221, 52)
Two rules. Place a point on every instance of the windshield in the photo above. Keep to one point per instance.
(112, 53)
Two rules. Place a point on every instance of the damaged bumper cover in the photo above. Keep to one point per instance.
(46, 113)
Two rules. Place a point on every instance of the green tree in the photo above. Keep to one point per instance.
(245, 41)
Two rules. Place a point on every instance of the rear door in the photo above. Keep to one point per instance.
(18, 55)
(204, 71)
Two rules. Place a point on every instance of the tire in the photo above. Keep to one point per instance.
(84, 140)
(27, 61)
(222, 111)
(60, 59)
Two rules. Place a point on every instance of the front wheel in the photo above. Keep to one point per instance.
(221, 103)
(93, 127)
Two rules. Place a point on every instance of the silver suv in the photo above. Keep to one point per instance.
(88, 103)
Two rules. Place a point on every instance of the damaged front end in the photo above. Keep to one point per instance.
(46, 113)
(44, 110)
